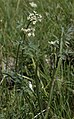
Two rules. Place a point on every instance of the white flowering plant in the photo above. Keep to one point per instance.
(36, 59)
(32, 19)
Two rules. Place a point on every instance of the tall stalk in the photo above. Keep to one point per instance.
(0, 62)
(38, 90)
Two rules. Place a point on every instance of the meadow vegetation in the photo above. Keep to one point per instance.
(36, 59)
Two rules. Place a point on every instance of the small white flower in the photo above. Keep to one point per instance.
(33, 4)
(34, 22)
(29, 31)
(33, 34)
(30, 86)
(40, 16)
(22, 29)
(34, 17)
(47, 61)
(29, 34)
(54, 42)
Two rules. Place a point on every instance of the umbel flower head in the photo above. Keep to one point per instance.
(29, 31)
(34, 17)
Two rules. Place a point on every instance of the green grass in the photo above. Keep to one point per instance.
(46, 61)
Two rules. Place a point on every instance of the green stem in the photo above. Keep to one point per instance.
(38, 90)
(17, 56)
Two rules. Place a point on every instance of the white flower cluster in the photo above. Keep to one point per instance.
(29, 31)
(34, 17)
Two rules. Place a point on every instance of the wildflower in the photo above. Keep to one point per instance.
(30, 86)
(34, 22)
(34, 5)
(33, 34)
(40, 17)
(29, 31)
(34, 17)
(54, 42)
(29, 34)
(47, 59)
